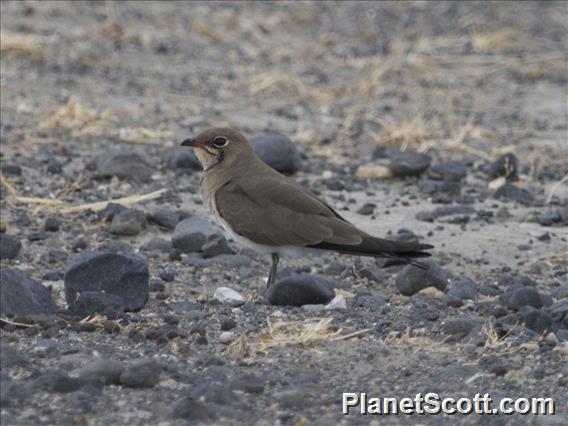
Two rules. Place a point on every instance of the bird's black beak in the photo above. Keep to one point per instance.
(189, 142)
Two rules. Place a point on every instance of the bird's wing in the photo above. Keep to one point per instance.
(276, 211)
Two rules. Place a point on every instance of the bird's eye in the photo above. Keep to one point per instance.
(220, 142)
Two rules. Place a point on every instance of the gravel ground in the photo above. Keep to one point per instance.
(439, 122)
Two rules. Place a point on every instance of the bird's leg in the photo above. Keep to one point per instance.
(273, 269)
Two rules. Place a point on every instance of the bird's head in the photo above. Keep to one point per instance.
(219, 144)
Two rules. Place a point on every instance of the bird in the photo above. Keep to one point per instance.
(271, 213)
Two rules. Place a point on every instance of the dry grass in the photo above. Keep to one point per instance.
(407, 133)
(417, 341)
(283, 334)
(142, 135)
(22, 45)
(124, 201)
(495, 42)
(78, 119)
(13, 198)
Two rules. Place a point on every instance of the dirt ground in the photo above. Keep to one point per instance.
(346, 82)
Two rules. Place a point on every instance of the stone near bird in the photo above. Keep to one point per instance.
(269, 212)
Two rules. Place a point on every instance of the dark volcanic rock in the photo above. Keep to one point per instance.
(52, 224)
(128, 222)
(430, 187)
(124, 165)
(452, 170)
(411, 280)
(463, 289)
(165, 218)
(518, 297)
(536, 319)
(9, 246)
(110, 211)
(20, 295)
(91, 302)
(408, 163)
(11, 169)
(514, 193)
(119, 274)
(141, 374)
(278, 151)
(559, 313)
(192, 233)
(367, 209)
(506, 165)
(300, 289)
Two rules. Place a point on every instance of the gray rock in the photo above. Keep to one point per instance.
(182, 158)
(408, 163)
(446, 187)
(536, 319)
(370, 302)
(13, 392)
(9, 246)
(250, 383)
(141, 374)
(229, 260)
(128, 222)
(215, 246)
(165, 218)
(157, 244)
(461, 326)
(411, 280)
(106, 370)
(278, 151)
(229, 296)
(293, 399)
(60, 382)
(464, 289)
(97, 302)
(338, 303)
(549, 217)
(300, 289)
(518, 297)
(192, 410)
(562, 334)
(124, 165)
(510, 192)
(559, 313)
(192, 233)
(124, 275)
(444, 211)
(12, 357)
(20, 295)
